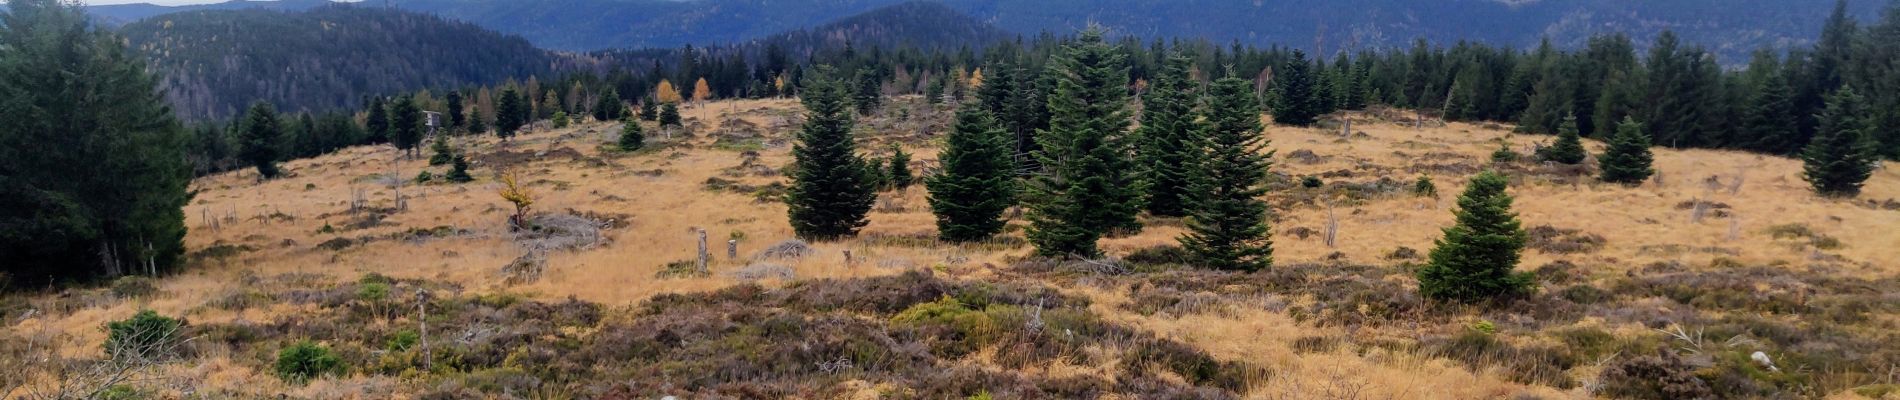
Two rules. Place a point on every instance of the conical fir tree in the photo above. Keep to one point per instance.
(405, 125)
(1170, 138)
(1228, 230)
(377, 122)
(1569, 146)
(1477, 257)
(1841, 156)
(443, 154)
(1770, 118)
(510, 113)
(1089, 185)
(670, 115)
(259, 141)
(632, 137)
(1627, 160)
(458, 170)
(649, 109)
(609, 107)
(899, 172)
(978, 179)
(830, 192)
(870, 92)
(1295, 101)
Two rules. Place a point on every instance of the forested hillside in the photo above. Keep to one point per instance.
(217, 62)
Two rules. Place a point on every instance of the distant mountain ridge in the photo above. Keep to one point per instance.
(1732, 28)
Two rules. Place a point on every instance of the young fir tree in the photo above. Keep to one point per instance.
(458, 170)
(870, 92)
(559, 119)
(93, 172)
(900, 177)
(377, 122)
(476, 125)
(649, 109)
(1627, 160)
(609, 107)
(259, 142)
(830, 192)
(632, 137)
(978, 179)
(405, 125)
(457, 115)
(510, 114)
(670, 115)
(1090, 185)
(443, 154)
(1842, 155)
(1477, 257)
(1296, 101)
(1569, 146)
(1170, 137)
(1228, 230)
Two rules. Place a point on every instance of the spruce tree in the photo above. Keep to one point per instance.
(1090, 185)
(670, 115)
(259, 142)
(457, 115)
(870, 92)
(377, 122)
(443, 154)
(1228, 230)
(1476, 258)
(1569, 146)
(1170, 138)
(900, 177)
(559, 119)
(458, 170)
(476, 126)
(1770, 120)
(405, 125)
(632, 137)
(609, 107)
(649, 109)
(1842, 155)
(830, 193)
(1295, 101)
(510, 113)
(978, 179)
(1627, 160)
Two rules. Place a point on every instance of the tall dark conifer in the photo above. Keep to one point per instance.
(259, 144)
(511, 112)
(609, 107)
(978, 179)
(1769, 119)
(1170, 137)
(1228, 228)
(1090, 185)
(1842, 155)
(870, 92)
(1296, 101)
(405, 125)
(831, 192)
(458, 116)
(377, 121)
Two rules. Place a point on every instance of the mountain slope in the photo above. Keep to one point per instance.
(217, 62)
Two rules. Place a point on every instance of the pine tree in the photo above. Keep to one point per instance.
(649, 109)
(632, 137)
(609, 107)
(1090, 186)
(1477, 257)
(405, 125)
(670, 115)
(830, 194)
(443, 154)
(870, 92)
(978, 179)
(1170, 138)
(1842, 155)
(510, 114)
(1627, 160)
(1228, 230)
(1569, 146)
(377, 122)
(457, 117)
(900, 177)
(259, 142)
(1769, 118)
(458, 170)
(1295, 101)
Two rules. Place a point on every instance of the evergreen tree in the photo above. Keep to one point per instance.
(1769, 118)
(649, 109)
(405, 125)
(609, 107)
(1090, 185)
(1569, 146)
(1170, 138)
(1228, 230)
(1424, 187)
(443, 154)
(830, 193)
(93, 173)
(670, 115)
(1627, 160)
(978, 179)
(1295, 101)
(900, 177)
(510, 113)
(458, 170)
(1476, 258)
(377, 122)
(559, 119)
(870, 92)
(1842, 155)
(632, 137)
(457, 116)
(476, 126)
(259, 142)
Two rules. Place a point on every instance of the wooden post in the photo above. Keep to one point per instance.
(732, 249)
(1346, 131)
(422, 327)
(1332, 226)
(704, 258)
(847, 257)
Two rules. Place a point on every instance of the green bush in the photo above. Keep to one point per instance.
(373, 292)
(1311, 182)
(144, 335)
(403, 341)
(306, 360)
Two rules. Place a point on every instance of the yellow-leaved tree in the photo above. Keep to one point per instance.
(976, 78)
(701, 91)
(665, 93)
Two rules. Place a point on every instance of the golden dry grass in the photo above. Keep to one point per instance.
(1642, 226)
